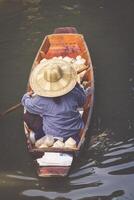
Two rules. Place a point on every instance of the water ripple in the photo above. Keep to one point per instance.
(21, 177)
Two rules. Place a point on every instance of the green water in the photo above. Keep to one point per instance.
(105, 168)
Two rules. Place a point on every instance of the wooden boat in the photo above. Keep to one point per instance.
(63, 42)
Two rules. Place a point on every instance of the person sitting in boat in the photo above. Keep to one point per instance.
(53, 109)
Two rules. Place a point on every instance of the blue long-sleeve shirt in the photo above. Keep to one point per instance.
(59, 119)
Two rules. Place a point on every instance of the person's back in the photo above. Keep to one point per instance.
(61, 117)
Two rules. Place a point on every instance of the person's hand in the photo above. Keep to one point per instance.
(30, 93)
(89, 91)
(85, 84)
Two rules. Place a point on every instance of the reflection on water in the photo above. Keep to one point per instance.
(95, 176)
(20, 177)
(105, 167)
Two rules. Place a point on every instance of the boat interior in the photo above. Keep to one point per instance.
(71, 45)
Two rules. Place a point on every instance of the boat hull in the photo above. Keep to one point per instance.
(57, 162)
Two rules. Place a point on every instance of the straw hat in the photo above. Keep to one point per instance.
(53, 78)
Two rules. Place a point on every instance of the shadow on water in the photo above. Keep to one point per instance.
(105, 167)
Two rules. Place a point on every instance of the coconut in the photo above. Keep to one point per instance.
(58, 144)
(70, 143)
(43, 60)
(68, 59)
(47, 141)
(43, 146)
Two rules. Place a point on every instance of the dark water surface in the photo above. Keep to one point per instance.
(105, 169)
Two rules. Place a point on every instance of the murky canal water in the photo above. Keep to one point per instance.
(105, 168)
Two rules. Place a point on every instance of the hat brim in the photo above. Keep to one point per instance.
(65, 84)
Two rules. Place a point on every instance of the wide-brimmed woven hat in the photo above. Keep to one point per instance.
(53, 78)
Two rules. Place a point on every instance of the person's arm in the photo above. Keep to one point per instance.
(88, 91)
(81, 95)
(32, 104)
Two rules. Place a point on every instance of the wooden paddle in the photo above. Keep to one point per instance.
(10, 110)
(15, 107)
